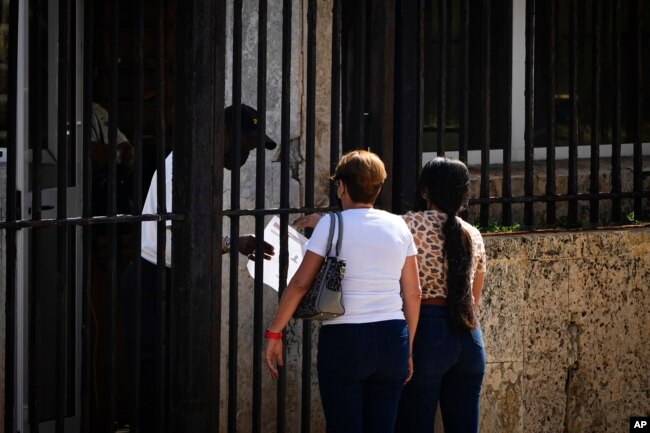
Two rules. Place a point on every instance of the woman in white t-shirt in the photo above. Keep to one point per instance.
(364, 356)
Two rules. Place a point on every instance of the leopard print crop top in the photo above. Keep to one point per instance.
(427, 233)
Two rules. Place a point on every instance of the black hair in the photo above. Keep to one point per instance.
(446, 183)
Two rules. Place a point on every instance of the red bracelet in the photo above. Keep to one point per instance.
(272, 335)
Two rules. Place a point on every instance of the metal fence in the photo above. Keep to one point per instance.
(378, 95)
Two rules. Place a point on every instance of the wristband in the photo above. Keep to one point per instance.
(225, 244)
(270, 335)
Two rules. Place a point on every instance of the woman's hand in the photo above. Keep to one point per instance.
(409, 373)
(273, 356)
(307, 221)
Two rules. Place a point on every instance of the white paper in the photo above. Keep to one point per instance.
(272, 267)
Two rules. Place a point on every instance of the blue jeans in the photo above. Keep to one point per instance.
(448, 367)
(361, 373)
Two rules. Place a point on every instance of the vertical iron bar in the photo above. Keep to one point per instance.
(199, 139)
(596, 61)
(616, 123)
(138, 96)
(11, 209)
(639, 213)
(219, 137)
(485, 129)
(574, 133)
(406, 107)
(305, 408)
(506, 139)
(551, 101)
(37, 136)
(86, 357)
(258, 302)
(463, 136)
(419, 92)
(529, 134)
(61, 211)
(443, 51)
(359, 92)
(285, 146)
(113, 108)
(235, 146)
(336, 92)
(162, 294)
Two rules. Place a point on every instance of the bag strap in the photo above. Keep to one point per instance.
(338, 241)
(331, 235)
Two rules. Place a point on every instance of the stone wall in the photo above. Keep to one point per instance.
(565, 319)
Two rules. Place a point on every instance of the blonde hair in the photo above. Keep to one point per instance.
(363, 173)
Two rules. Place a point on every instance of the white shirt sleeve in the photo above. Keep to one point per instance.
(318, 241)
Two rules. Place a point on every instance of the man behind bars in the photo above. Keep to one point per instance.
(149, 321)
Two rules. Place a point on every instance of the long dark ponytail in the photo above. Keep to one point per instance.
(446, 183)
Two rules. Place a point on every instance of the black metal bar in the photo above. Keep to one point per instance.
(285, 149)
(86, 339)
(529, 134)
(138, 97)
(219, 132)
(559, 198)
(551, 107)
(596, 64)
(61, 211)
(36, 139)
(258, 301)
(161, 297)
(335, 136)
(636, 14)
(92, 221)
(443, 52)
(505, 92)
(485, 103)
(463, 136)
(616, 109)
(574, 125)
(380, 92)
(406, 112)
(198, 141)
(12, 210)
(235, 146)
(305, 403)
(419, 88)
(113, 107)
(359, 66)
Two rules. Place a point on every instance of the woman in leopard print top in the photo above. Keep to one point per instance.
(448, 353)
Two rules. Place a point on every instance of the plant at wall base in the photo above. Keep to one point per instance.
(498, 228)
(632, 219)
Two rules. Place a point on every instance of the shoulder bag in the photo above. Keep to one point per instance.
(323, 300)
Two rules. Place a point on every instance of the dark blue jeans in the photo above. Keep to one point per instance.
(448, 367)
(361, 373)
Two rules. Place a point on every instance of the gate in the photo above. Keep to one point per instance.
(404, 79)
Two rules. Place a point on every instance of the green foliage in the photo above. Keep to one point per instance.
(632, 219)
(498, 228)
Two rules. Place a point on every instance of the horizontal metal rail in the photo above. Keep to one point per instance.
(89, 221)
(558, 198)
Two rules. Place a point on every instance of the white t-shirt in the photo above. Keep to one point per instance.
(149, 228)
(375, 245)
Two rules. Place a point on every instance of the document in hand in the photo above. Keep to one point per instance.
(272, 267)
